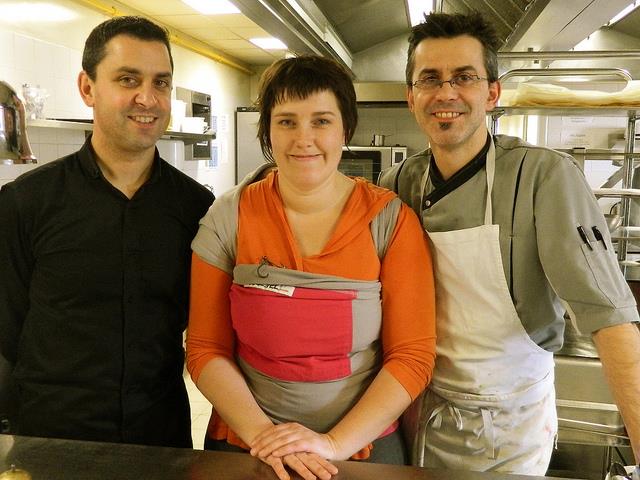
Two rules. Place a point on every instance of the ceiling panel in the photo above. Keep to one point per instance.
(226, 34)
(250, 32)
(161, 7)
(255, 56)
(235, 20)
(362, 24)
(187, 21)
(214, 34)
(239, 43)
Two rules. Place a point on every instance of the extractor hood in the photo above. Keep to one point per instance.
(365, 35)
(373, 93)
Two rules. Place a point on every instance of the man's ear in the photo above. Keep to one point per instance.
(85, 86)
(410, 98)
(494, 95)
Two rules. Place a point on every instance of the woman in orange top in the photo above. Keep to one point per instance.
(312, 308)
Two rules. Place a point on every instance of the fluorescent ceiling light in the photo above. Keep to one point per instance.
(35, 12)
(417, 9)
(268, 43)
(212, 7)
(626, 11)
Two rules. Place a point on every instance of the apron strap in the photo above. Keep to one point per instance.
(436, 416)
(491, 170)
(488, 434)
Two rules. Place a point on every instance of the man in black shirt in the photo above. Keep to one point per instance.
(94, 260)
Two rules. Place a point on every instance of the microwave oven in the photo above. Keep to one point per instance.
(198, 105)
(368, 162)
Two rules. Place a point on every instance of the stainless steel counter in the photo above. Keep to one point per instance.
(48, 459)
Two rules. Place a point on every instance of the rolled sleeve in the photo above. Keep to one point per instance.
(216, 237)
(586, 276)
(408, 303)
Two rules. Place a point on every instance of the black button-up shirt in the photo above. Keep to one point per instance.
(94, 300)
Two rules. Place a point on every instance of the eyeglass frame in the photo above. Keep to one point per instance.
(452, 82)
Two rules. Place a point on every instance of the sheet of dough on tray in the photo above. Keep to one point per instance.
(543, 94)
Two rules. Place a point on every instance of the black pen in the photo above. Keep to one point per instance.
(599, 237)
(583, 236)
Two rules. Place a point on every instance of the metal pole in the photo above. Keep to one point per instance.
(627, 178)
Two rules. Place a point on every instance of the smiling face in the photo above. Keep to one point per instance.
(130, 96)
(452, 118)
(307, 137)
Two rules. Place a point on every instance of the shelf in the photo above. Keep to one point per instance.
(617, 192)
(597, 153)
(626, 159)
(87, 125)
(567, 111)
(66, 124)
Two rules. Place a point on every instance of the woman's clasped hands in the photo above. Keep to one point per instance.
(301, 449)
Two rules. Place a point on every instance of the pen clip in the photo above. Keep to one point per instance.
(583, 236)
(598, 235)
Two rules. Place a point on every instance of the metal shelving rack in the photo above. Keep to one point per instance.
(631, 113)
(590, 425)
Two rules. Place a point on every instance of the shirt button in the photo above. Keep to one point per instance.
(427, 203)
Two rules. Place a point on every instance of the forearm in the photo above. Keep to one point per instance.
(619, 350)
(382, 403)
(225, 387)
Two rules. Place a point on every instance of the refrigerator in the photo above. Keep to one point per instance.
(248, 153)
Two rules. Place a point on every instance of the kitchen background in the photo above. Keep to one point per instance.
(369, 36)
(49, 55)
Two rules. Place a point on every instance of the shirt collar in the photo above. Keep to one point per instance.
(442, 187)
(471, 167)
(87, 156)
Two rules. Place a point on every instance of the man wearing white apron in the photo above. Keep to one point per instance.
(491, 381)
(506, 220)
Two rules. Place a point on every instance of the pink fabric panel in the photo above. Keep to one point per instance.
(306, 337)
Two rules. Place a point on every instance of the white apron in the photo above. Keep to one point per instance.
(491, 402)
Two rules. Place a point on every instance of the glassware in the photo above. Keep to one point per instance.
(34, 98)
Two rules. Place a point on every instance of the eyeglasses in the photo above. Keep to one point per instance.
(464, 80)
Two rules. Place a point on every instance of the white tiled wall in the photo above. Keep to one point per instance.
(51, 143)
(24, 59)
(47, 144)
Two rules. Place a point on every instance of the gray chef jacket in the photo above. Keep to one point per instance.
(540, 197)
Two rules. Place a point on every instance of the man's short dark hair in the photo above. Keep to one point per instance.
(298, 78)
(444, 25)
(133, 26)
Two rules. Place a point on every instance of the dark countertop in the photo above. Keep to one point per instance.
(50, 459)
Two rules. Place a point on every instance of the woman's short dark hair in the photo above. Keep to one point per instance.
(297, 78)
(444, 25)
(133, 26)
